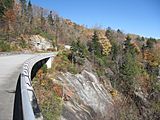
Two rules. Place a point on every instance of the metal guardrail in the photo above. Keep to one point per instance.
(30, 107)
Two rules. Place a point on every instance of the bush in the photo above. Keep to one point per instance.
(4, 46)
(23, 44)
(44, 68)
(64, 63)
(51, 107)
(49, 101)
(43, 33)
(72, 69)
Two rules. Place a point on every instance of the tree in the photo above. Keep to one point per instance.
(106, 46)
(130, 68)
(130, 47)
(9, 18)
(78, 52)
(119, 31)
(30, 13)
(150, 42)
(57, 27)
(4, 6)
(129, 71)
(7, 14)
(96, 48)
(50, 19)
(42, 19)
(23, 16)
(127, 42)
(23, 7)
(109, 33)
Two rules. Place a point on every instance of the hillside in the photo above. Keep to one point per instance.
(19, 23)
(101, 75)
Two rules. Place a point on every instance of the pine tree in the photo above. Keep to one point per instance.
(57, 25)
(109, 33)
(30, 13)
(50, 18)
(42, 19)
(150, 43)
(129, 70)
(96, 47)
(129, 46)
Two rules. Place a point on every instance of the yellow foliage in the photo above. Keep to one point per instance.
(153, 57)
(106, 46)
(136, 47)
(113, 93)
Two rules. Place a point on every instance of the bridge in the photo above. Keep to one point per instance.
(17, 98)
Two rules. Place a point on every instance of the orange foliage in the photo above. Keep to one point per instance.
(148, 55)
(10, 16)
(144, 82)
(152, 57)
(136, 47)
(58, 89)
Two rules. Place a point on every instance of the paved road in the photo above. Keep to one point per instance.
(10, 67)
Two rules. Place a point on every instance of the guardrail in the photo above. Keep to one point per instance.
(13, 53)
(26, 105)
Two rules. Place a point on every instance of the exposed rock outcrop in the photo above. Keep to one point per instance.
(40, 43)
(85, 98)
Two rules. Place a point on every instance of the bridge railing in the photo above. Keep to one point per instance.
(30, 108)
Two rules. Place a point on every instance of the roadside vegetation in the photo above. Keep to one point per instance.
(50, 101)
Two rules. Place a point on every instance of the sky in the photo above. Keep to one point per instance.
(140, 17)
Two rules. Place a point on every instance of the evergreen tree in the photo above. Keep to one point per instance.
(129, 47)
(42, 19)
(73, 46)
(96, 48)
(78, 52)
(109, 33)
(115, 50)
(150, 43)
(127, 42)
(57, 27)
(129, 70)
(30, 13)
(78, 49)
(119, 31)
(50, 18)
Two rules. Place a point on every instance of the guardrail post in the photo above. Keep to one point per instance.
(49, 62)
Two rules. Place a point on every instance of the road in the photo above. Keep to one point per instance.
(10, 67)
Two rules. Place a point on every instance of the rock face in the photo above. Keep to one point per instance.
(85, 98)
(40, 43)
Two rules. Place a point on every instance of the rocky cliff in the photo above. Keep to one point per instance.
(85, 98)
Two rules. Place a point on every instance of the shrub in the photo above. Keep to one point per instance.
(44, 68)
(72, 69)
(4, 46)
(51, 107)
(23, 44)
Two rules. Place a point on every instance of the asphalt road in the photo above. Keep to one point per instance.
(10, 67)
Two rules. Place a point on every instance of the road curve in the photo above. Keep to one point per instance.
(10, 68)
